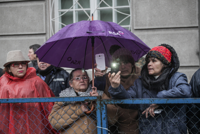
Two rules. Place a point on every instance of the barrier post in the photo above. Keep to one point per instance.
(104, 118)
(98, 114)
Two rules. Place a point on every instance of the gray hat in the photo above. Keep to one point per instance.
(14, 56)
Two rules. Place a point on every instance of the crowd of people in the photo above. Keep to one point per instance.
(157, 76)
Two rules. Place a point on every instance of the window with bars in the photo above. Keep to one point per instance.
(71, 11)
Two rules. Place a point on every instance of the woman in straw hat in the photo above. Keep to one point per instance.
(159, 79)
(21, 81)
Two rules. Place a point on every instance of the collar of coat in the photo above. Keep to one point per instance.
(70, 92)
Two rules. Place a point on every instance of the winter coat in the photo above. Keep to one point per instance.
(1, 72)
(125, 120)
(193, 111)
(58, 80)
(170, 121)
(69, 118)
(18, 118)
(33, 63)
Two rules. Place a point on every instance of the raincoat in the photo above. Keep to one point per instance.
(18, 118)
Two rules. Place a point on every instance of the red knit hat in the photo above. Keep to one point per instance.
(161, 53)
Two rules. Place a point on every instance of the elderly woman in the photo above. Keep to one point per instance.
(124, 120)
(159, 79)
(75, 117)
(19, 81)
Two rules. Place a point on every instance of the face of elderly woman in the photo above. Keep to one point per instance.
(154, 66)
(18, 69)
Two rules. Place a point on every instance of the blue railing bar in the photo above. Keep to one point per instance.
(109, 101)
(153, 100)
(104, 119)
(51, 99)
(98, 113)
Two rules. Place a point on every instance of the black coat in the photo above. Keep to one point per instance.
(1, 72)
(194, 109)
(58, 80)
(34, 64)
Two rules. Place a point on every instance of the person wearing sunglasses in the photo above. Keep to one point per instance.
(21, 81)
(76, 117)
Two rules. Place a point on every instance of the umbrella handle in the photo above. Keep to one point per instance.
(92, 108)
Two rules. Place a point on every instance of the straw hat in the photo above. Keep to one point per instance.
(14, 56)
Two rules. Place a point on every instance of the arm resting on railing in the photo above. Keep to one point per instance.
(121, 93)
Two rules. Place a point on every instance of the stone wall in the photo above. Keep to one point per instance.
(173, 22)
(23, 23)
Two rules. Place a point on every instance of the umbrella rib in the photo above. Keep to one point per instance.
(104, 48)
(132, 41)
(48, 51)
(85, 51)
(66, 51)
(138, 45)
(118, 41)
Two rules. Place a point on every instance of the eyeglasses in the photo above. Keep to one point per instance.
(16, 64)
(79, 78)
(123, 63)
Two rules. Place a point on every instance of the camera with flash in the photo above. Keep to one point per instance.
(114, 67)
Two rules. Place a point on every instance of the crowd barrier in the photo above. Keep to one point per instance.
(101, 122)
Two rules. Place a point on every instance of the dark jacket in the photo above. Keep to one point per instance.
(34, 64)
(173, 119)
(58, 80)
(1, 72)
(126, 119)
(193, 111)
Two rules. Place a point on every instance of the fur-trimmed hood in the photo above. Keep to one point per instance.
(70, 92)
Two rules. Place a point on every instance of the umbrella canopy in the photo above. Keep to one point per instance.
(72, 45)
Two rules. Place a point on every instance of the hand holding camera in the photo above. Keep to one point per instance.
(115, 67)
(100, 68)
(98, 72)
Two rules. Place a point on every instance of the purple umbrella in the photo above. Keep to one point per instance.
(72, 46)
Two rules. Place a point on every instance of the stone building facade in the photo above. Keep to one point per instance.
(175, 22)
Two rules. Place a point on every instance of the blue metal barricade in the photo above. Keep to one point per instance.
(101, 109)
